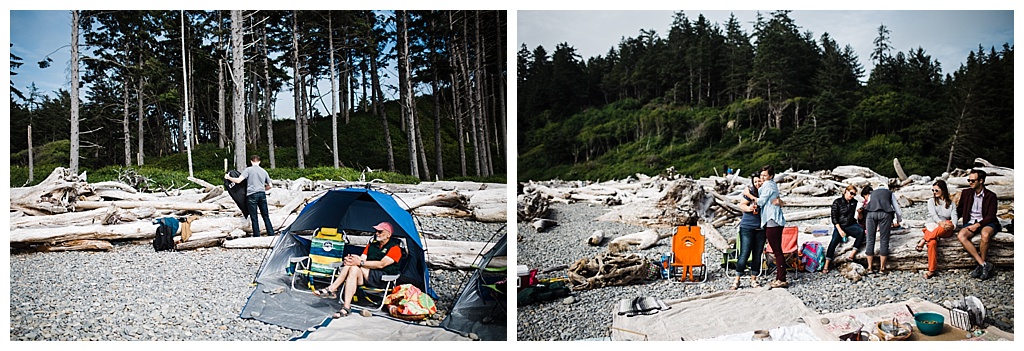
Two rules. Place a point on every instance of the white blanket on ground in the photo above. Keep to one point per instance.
(713, 315)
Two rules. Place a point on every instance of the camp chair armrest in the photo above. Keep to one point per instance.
(297, 259)
(337, 265)
(389, 278)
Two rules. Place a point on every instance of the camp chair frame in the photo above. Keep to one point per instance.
(688, 254)
(303, 267)
(790, 251)
(732, 256)
(390, 280)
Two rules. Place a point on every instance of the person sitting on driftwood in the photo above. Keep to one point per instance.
(941, 223)
(255, 193)
(977, 208)
(379, 257)
(846, 225)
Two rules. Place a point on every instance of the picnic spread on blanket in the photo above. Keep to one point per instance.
(777, 315)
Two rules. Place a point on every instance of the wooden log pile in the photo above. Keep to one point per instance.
(668, 200)
(64, 213)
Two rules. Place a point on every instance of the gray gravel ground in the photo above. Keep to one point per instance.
(134, 293)
(590, 315)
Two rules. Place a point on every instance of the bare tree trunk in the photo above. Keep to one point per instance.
(457, 95)
(238, 94)
(297, 90)
(268, 100)
(956, 133)
(31, 158)
(75, 19)
(501, 87)
(405, 92)
(127, 134)
(141, 154)
(439, 165)
(334, 90)
(222, 135)
(306, 107)
(346, 77)
(187, 127)
(481, 79)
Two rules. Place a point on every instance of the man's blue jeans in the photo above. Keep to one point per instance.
(259, 200)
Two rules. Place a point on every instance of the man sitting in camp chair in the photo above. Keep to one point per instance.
(379, 258)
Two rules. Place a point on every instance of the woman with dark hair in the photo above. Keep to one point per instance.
(941, 219)
(751, 235)
(772, 221)
(846, 225)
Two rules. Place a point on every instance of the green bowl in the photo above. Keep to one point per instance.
(929, 323)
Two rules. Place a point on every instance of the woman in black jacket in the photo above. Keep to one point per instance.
(843, 210)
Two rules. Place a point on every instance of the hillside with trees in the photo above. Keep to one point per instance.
(148, 87)
(709, 94)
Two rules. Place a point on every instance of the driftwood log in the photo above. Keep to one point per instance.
(643, 240)
(55, 194)
(614, 267)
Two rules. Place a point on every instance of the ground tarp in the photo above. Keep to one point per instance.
(712, 315)
(358, 328)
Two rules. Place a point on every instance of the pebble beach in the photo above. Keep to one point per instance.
(133, 293)
(588, 313)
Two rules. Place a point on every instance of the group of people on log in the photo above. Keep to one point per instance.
(868, 221)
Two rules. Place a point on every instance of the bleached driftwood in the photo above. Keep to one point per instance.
(643, 240)
(55, 194)
(443, 199)
(436, 211)
(904, 256)
(195, 244)
(492, 214)
(541, 224)
(596, 238)
(714, 237)
(160, 205)
(77, 245)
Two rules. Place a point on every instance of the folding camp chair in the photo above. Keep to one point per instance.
(390, 281)
(326, 251)
(688, 253)
(493, 285)
(731, 257)
(790, 250)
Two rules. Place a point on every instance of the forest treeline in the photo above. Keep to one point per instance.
(445, 118)
(708, 95)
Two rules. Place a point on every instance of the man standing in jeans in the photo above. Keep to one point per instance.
(255, 193)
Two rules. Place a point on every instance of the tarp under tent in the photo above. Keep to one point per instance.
(481, 309)
(349, 209)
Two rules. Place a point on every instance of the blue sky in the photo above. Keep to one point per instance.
(947, 36)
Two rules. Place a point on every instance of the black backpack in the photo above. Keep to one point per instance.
(164, 239)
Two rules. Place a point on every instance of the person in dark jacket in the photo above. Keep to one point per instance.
(843, 210)
(977, 210)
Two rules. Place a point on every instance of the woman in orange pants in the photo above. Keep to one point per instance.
(942, 217)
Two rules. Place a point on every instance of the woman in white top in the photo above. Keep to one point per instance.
(942, 216)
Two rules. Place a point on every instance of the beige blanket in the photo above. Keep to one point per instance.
(712, 315)
(831, 326)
